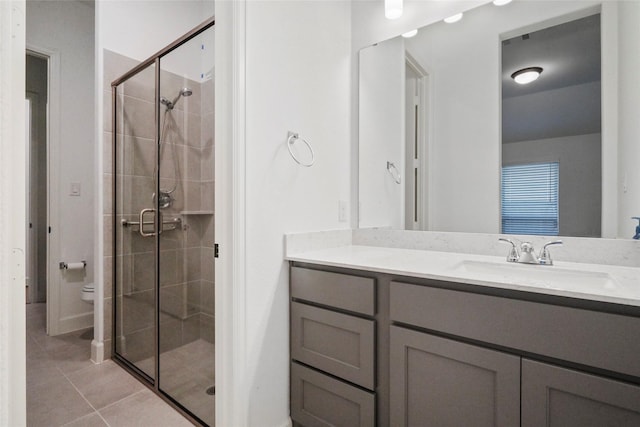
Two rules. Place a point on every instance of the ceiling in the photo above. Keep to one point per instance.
(569, 54)
(565, 100)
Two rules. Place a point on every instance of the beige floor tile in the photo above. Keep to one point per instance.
(41, 369)
(54, 403)
(91, 420)
(191, 392)
(104, 384)
(72, 357)
(143, 409)
(65, 388)
(32, 347)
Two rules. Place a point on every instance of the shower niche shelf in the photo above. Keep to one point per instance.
(196, 213)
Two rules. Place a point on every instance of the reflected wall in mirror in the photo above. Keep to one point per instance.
(551, 181)
(433, 106)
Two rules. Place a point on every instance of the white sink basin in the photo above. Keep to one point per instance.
(543, 276)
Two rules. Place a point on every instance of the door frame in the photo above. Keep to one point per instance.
(424, 121)
(12, 212)
(31, 245)
(53, 183)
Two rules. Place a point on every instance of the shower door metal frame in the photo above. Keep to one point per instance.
(151, 383)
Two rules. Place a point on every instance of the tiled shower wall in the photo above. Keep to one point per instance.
(186, 257)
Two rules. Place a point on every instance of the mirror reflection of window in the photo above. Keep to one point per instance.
(530, 199)
(554, 115)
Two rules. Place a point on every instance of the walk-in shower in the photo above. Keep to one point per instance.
(163, 227)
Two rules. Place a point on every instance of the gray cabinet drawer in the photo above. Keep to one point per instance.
(318, 400)
(351, 293)
(336, 343)
(554, 396)
(591, 338)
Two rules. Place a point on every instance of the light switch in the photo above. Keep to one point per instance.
(75, 189)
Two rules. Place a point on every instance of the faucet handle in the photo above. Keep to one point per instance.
(513, 253)
(545, 255)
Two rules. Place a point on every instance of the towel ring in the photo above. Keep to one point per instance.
(396, 175)
(293, 137)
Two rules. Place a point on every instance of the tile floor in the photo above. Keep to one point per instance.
(64, 388)
(186, 373)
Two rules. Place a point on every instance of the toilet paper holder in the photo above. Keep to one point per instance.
(74, 265)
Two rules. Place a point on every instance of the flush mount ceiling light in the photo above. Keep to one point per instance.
(453, 18)
(410, 34)
(392, 9)
(501, 2)
(526, 75)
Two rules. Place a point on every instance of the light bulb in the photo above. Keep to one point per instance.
(454, 18)
(392, 9)
(410, 34)
(526, 75)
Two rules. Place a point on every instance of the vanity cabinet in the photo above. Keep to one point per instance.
(392, 351)
(555, 396)
(332, 349)
(441, 382)
(478, 385)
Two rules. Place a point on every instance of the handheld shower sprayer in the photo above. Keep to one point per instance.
(185, 91)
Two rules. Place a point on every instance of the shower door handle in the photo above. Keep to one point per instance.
(143, 212)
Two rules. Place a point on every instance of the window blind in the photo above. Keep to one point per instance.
(530, 199)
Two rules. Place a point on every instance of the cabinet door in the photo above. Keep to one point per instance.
(553, 396)
(440, 382)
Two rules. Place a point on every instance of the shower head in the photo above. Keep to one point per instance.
(185, 91)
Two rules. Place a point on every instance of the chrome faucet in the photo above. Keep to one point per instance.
(526, 254)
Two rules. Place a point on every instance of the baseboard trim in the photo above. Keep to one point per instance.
(75, 323)
(97, 351)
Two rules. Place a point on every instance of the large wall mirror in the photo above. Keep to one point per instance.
(450, 141)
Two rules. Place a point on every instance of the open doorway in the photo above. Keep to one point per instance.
(36, 95)
(416, 132)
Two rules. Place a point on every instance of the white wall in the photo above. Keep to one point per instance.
(563, 119)
(381, 126)
(580, 186)
(139, 29)
(297, 78)
(629, 125)
(67, 27)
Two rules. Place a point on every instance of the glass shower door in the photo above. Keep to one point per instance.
(135, 169)
(186, 322)
(164, 223)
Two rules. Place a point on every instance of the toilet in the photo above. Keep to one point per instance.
(87, 292)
